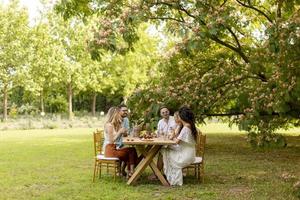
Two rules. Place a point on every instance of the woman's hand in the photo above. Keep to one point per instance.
(125, 134)
(123, 131)
(170, 137)
(177, 140)
(171, 134)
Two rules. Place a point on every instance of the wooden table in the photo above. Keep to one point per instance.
(153, 147)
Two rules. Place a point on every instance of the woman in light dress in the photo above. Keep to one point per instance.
(113, 130)
(178, 156)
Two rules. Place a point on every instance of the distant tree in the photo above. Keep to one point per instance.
(14, 40)
(116, 73)
(71, 36)
(46, 60)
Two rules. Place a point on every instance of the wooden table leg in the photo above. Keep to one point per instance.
(144, 153)
(159, 175)
(144, 163)
(155, 170)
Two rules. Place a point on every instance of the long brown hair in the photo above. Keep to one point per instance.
(114, 118)
(187, 115)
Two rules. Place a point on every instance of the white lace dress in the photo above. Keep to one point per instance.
(176, 157)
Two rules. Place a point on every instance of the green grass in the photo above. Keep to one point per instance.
(58, 164)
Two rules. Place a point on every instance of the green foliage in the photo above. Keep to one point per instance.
(297, 192)
(148, 117)
(232, 58)
(14, 40)
(266, 140)
(57, 104)
(144, 105)
(41, 61)
(13, 111)
(27, 109)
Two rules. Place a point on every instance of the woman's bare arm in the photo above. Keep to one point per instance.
(112, 134)
(177, 140)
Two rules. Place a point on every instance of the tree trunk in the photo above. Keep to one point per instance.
(42, 101)
(70, 101)
(279, 7)
(94, 105)
(5, 103)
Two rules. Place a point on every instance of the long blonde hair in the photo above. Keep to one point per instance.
(114, 118)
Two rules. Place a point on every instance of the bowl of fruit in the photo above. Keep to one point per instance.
(146, 136)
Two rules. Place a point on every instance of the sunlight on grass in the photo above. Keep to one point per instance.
(224, 128)
(219, 128)
(58, 164)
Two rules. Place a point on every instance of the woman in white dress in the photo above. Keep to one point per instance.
(178, 156)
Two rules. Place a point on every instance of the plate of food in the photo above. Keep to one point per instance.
(147, 135)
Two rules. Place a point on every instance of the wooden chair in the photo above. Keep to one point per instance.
(101, 160)
(198, 165)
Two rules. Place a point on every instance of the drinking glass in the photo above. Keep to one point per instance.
(165, 136)
(161, 134)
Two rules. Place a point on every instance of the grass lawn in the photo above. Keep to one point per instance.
(58, 164)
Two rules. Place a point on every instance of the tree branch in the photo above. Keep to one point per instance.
(167, 18)
(237, 50)
(256, 9)
(234, 81)
(223, 3)
(235, 37)
(214, 38)
(185, 11)
(259, 76)
(181, 17)
(279, 8)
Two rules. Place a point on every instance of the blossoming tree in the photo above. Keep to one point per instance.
(236, 58)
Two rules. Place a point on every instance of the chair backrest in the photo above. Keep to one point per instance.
(200, 144)
(98, 141)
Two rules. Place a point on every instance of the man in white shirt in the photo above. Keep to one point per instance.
(167, 123)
